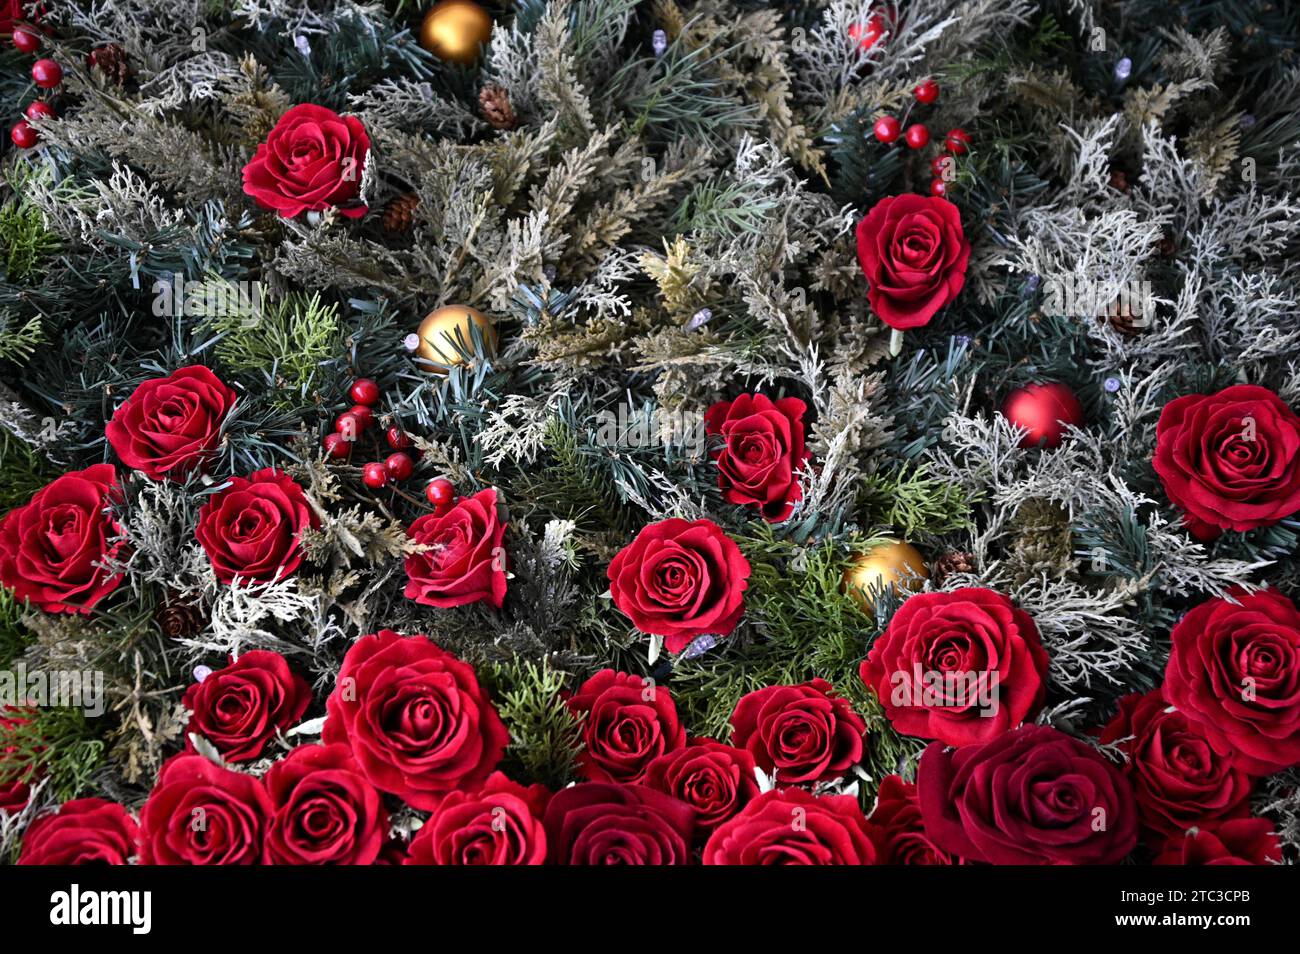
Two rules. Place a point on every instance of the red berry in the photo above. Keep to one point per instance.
(374, 475)
(349, 426)
(398, 439)
(38, 108)
(440, 492)
(942, 167)
(337, 446)
(23, 134)
(26, 40)
(365, 391)
(938, 187)
(47, 74)
(886, 129)
(957, 141)
(927, 92)
(365, 417)
(399, 466)
(917, 136)
(866, 35)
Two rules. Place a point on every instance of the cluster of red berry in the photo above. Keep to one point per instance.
(46, 74)
(917, 136)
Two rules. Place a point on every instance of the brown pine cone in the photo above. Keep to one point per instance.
(495, 102)
(400, 212)
(954, 561)
(1119, 180)
(1124, 320)
(178, 618)
(110, 59)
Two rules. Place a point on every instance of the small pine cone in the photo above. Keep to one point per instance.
(178, 618)
(1119, 180)
(954, 561)
(1122, 319)
(495, 102)
(400, 212)
(110, 59)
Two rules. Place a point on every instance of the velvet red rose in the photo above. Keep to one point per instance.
(680, 579)
(85, 831)
(1180, 780)
(913, 253)
(170, 426)
(960, 667)
(1032, 796)
(716, 780)
(1231, 460)
(202, 814)
(799, 734)
(1241, 841)
(1234, 670)
(323, 811)
(312, 160)
(415, 717)
(465, 562)
(598, 823)
(626, 722)
(791, 827)
(761, 453)
(498, 824)
(240, 709)
(251, 530)
(52, 549)
(897, 816)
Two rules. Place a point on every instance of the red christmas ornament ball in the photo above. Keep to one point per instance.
(957, 141)
(440, 492)
(365, 391)
(1043, 410)
(47, 74)
(38, 108)
(887, 129)
(926, 92)
(399, 466)
(374, 475)
(23, 134)
(337, 446)
(917, 136)
(26, 40)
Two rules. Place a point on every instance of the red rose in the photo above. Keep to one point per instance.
(169, 426)
(500, 824)
(1179, 779)
(13, 12)
(1234, 670)
(960, 667)
(313, 159)
(1231, 460)
(913, 253)
(627, 721)
(716, 780)
(86, 831)
(324, 812)
(52, 550)
(202, 814)
(761, 453)
(1032, 796)
(240, 709)
(415, 717)
(15, 773)
(465, 562)
(799, 734)
(597, 823)
(897, 815)
(680, 579)
(791, 827)
(1240, 841)
(251, 529)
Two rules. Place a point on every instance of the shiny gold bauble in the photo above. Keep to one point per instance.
(454, 29)
(895, 565)
(443, 326)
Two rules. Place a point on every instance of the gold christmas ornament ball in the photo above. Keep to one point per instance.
(453, 30)
(433, 340)
(896, 565)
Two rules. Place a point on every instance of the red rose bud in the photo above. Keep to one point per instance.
(85, 831)
(466, 562)
(23, 134)
(250, 531)
(374, 475)
(917, 136)
(614, 705)
(887, 129)
(762, 451)
(364, 391)
(957, 141)
(47, 74)
(171, 426)
(913, 254)
(399, 466)
(240, 709)
(312, 160)
(799, 734)
(926, 92)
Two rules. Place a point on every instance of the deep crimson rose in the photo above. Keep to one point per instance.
(716, 780)
(499, 824)
(599, 823)
(1178, 777)
(1231, 460)
(960, 667)
(761, 453)
(15, 774)
(312, 160)
(13, 12)
(169, 426)
(627, 721)
(85, 831)
(913, 253)
(251, 530)
(465, 562)
(1032, 796)
(52, 550)
(791, 827)
(799, 734)
(324, 812)
(202, 814)
(240, 709)
(1240, 841)
(897, 815)
(415, 717)
(680, 579)
(1234, 670)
